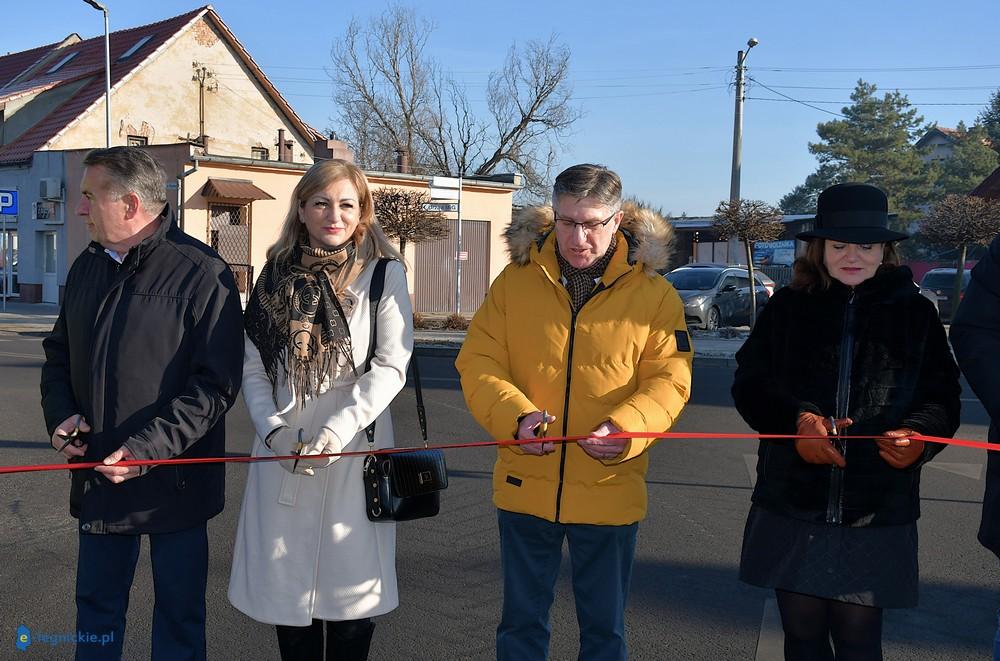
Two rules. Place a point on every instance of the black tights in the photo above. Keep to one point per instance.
(345, 641)
(810, 623)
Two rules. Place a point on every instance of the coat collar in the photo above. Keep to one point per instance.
(545, 256)
(136, 254)
(645, 239)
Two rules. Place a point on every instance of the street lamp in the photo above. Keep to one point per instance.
(107, 72)
(734, 183)
(741, 58)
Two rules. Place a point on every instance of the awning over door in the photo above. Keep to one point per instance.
(233, 189)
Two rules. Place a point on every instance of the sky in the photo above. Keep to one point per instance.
(654, 79)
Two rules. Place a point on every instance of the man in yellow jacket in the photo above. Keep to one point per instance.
(578, 336)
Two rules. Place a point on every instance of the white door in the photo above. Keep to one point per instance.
(50, 289)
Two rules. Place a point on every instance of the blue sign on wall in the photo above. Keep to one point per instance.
(774, 253)
(8, 202)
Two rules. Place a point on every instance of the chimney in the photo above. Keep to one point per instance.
(327, 149)
(285, 148)
(402, 161)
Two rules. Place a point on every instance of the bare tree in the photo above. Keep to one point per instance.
(749, 221)
(383, 85)
(959, 221)
(529, 100)
(402, 214)
(391, 95)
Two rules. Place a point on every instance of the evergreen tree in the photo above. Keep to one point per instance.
(990, 119)
(970, 162)
(802, 199)
(873, 143)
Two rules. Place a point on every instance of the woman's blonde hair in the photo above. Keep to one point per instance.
(370, 241)
(810, 273)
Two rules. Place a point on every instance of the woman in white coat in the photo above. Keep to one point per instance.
(306, 553)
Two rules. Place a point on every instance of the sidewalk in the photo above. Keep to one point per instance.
(28, 318)
(36, 319)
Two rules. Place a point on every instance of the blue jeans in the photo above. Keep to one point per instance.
(104, 572)
(996, 640)
(601, 559)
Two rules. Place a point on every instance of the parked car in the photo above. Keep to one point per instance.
(941, 282)
(929, 295)
(717, 295)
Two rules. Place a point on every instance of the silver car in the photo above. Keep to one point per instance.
(717, 295)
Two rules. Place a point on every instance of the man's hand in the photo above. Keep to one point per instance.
(898, 449)
(818, 450)
(528, 428)
(599, 447)
(65, 432)
(118, 474)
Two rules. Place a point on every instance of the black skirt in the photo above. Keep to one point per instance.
(871, 566)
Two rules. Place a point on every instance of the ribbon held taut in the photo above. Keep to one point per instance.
(83, 465)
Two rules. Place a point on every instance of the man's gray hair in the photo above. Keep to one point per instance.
(133, 170)
(589, 180)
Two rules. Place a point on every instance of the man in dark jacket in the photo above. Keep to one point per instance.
(143, 363)
(975, 337)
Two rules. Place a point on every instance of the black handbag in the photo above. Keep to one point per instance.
(405, 485)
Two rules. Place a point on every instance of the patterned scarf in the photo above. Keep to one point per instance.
(581, 283)
(295, 317)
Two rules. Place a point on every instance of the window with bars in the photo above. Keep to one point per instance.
(137, 141)
(229, 235)
(259, 153)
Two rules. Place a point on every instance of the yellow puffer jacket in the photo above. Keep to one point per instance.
(624, 357)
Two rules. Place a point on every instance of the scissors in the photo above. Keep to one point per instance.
(543, 426)
(72, 437)
(298, 451)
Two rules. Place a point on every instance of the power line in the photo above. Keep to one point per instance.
(892, 87)
(847, 103)
(967, 67)
(829, 112)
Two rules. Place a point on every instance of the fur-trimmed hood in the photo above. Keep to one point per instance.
(649, 235)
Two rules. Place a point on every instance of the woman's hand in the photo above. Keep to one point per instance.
(818, 450)
(898, 449)
(285, 441)
(326, 442)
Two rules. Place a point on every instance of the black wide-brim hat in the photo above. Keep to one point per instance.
(852, 213)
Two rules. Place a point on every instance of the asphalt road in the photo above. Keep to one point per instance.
(686, 601)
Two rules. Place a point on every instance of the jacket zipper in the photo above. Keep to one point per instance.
(569, 377)
(835, 497)
(565, 424)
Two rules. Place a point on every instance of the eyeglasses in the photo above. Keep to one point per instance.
(569, 225)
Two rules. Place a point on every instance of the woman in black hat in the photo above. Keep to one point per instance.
(850, 347)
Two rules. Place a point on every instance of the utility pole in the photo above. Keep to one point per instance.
(202, 76)
(734, 184)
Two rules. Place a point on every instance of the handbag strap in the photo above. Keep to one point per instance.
(374, 299)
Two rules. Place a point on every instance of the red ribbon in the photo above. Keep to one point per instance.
(981, 445)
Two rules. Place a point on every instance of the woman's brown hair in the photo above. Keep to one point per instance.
(809, 272)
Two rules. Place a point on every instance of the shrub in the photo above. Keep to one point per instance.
(456, 321)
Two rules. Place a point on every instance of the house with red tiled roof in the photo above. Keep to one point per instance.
(939, 142)
(184, 81)
(233, 149)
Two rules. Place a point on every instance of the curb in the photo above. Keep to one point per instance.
(443, 350)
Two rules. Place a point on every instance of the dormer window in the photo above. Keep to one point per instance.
(59, 65)
(135, 47)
